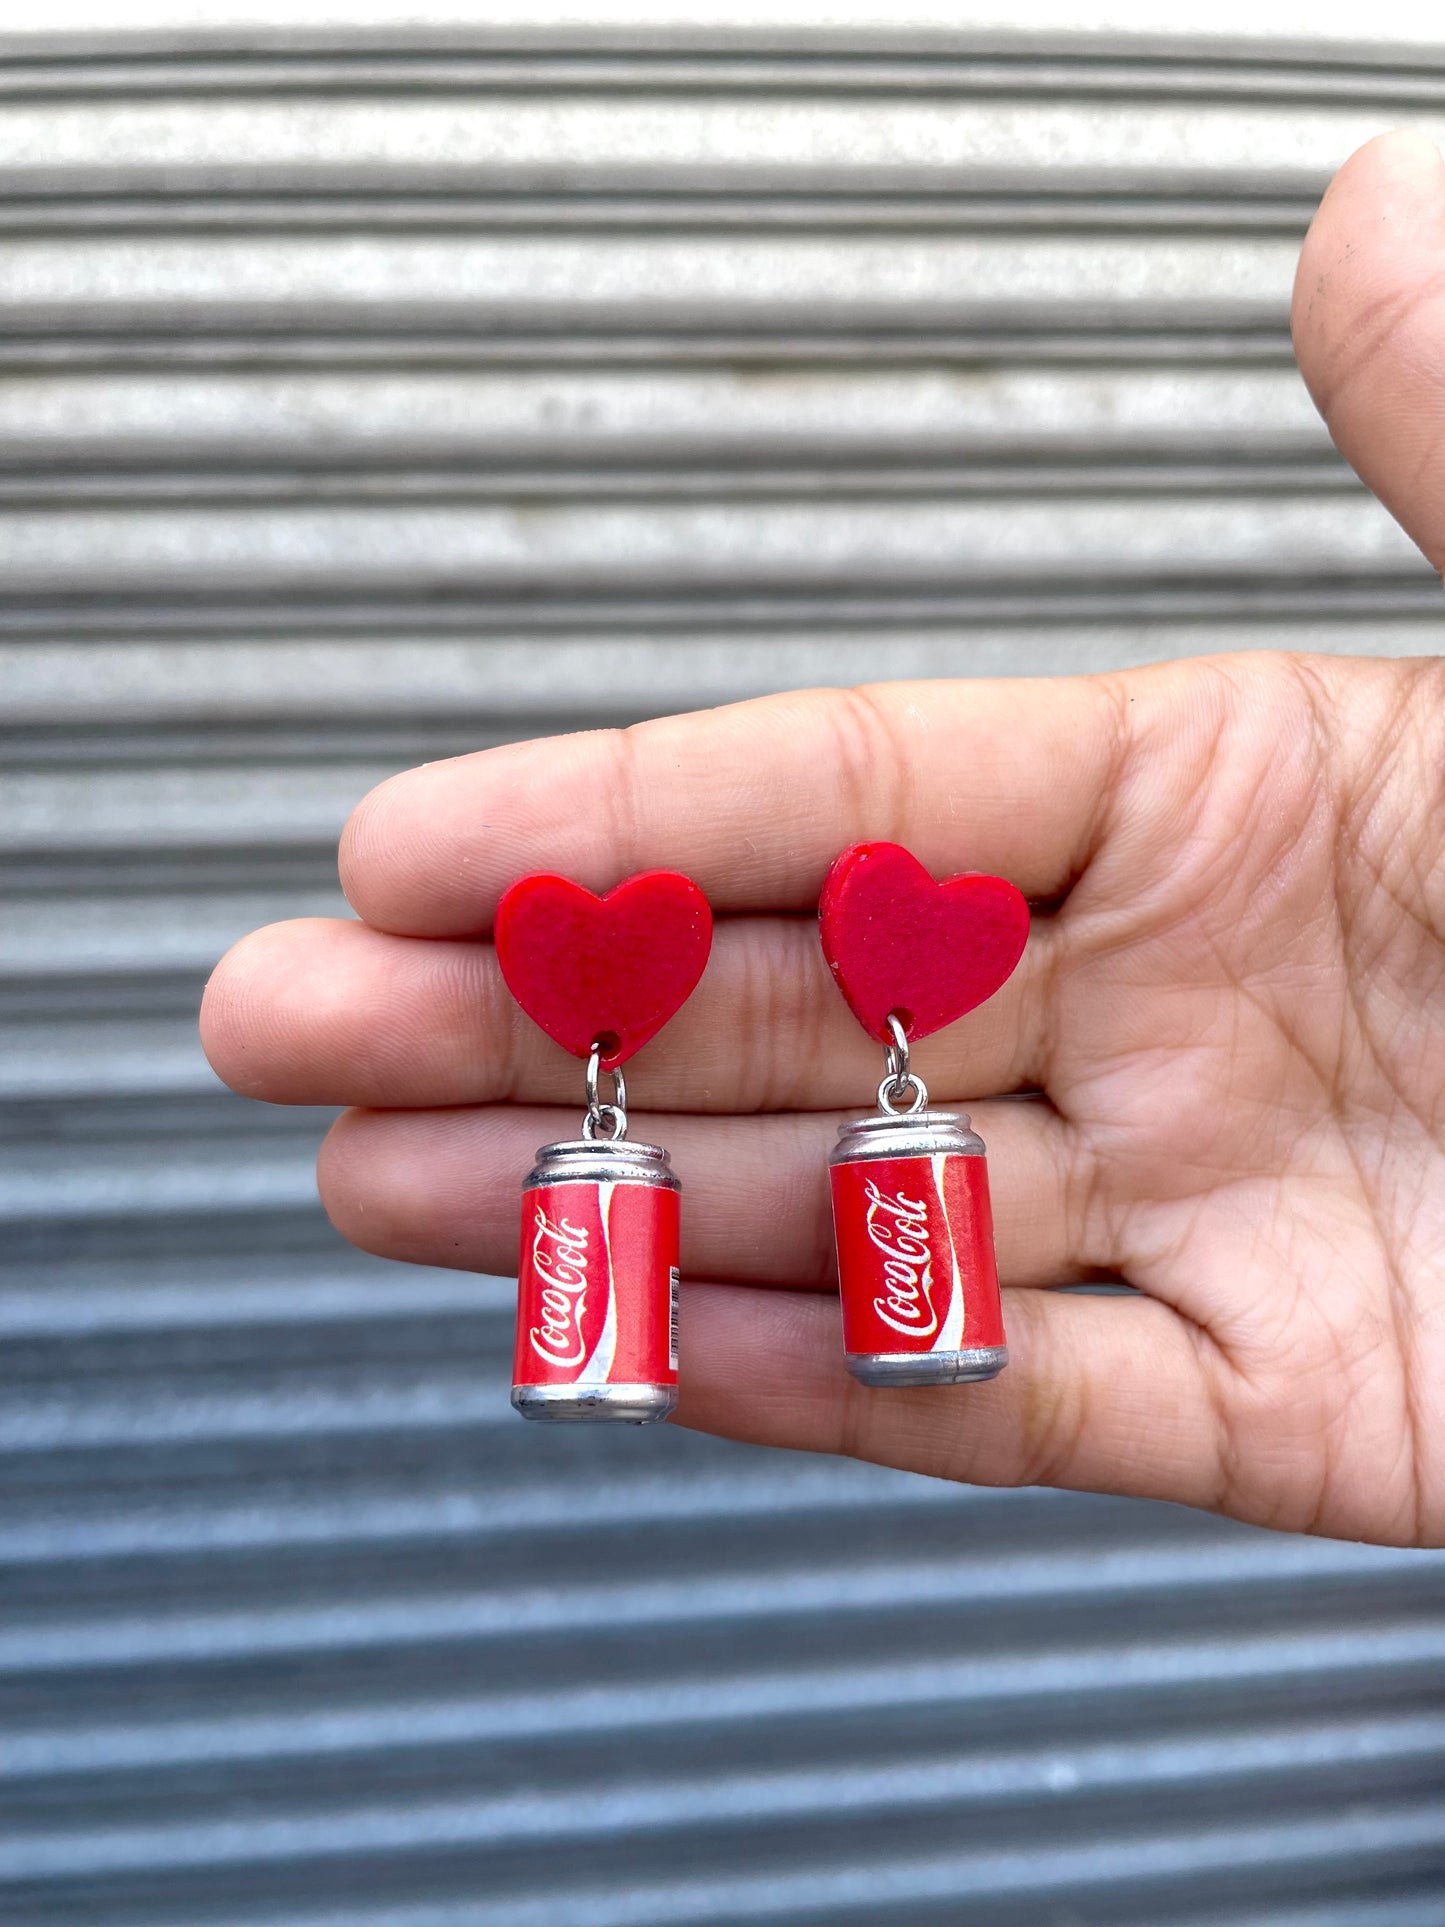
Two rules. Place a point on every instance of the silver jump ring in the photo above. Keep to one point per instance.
(613, 1115)
(897, 1051)
(901, 1079)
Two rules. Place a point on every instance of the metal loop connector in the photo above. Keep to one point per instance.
(901, 1081)
(614, 1115)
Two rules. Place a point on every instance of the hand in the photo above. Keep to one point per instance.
(1231, 1002)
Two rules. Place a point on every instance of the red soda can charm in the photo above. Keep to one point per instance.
(598, 1284)
(916, 1266)
(911, 1214)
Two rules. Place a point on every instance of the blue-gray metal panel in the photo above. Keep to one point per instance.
(369, 398)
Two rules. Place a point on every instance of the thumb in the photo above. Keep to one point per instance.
(1369, 326)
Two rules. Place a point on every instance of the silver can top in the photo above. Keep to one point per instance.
(602, 1161)
(916, 1134)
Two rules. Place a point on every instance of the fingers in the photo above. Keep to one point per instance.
(1107, 1394)
(1369, 326)
(441, 1188)
(332, 1012)
(752, 801)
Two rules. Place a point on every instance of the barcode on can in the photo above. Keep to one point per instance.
(674, 1279)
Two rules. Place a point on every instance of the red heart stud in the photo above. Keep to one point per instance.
(896, 940)
(584, 967)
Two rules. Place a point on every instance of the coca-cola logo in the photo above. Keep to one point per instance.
(559, 1259)
(898, 1227)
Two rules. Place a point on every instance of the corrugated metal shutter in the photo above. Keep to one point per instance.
(369, 399)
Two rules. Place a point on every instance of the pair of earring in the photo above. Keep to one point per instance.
(598, 1274)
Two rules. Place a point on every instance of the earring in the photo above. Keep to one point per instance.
(911, 1213)
(598, 1274)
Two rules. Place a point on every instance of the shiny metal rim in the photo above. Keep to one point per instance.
(619, 1404)
(882, 1369)
(602, 1161)
(918, 1134)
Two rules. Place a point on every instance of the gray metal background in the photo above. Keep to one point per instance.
(372, 399)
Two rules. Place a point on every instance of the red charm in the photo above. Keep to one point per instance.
(915, 1256)
(911, 1215)
(584, 967)
(597, 1304)
(897, 941)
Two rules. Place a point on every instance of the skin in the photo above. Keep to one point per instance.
(1229, 1012)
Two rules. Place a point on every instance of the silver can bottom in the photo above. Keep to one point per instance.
(615, 1404)
(928, 1368)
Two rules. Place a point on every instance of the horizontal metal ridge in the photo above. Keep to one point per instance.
(92, 1058)
(119, 341)
(577, 280)
(265, 745)
(425, 176)
(573, 137)
(181, 1293)
(62, 997)
(224, 613)
(779, 475)
(167, 1174)
(737, 546)
(1242, 1765)
(1363, 1907)
(867, 60)
(308, 209)
(725, 414)
(39, 877)
(188, 1535)
(95, 939)
(425, 1618)
(1158, 1678)
(134, 810)
(316, 1404)
(353, 1513)
(1165, 1867)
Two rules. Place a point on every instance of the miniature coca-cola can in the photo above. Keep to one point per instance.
(916, 1265)
(597, 1284)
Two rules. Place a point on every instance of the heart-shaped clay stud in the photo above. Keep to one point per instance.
(615, 967)
(897, 941)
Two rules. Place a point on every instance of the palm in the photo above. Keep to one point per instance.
(1246, 1057)
(1228, 1015)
